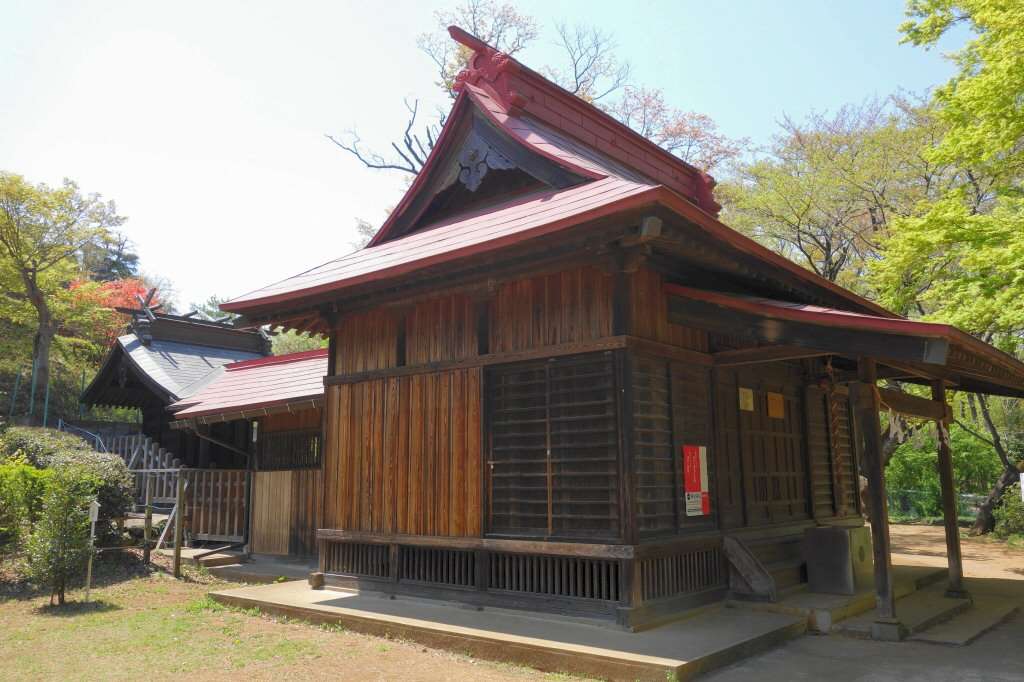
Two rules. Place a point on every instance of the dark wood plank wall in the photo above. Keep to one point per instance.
(728, 454)
(291, 421)
(403, 455)
(692, 421)
(649, 314)
(564, 307)
(305, 511)
(656, 481)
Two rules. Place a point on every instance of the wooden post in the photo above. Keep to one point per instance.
(949, 505)
(886, 625)
(147, 532)
(179, 523)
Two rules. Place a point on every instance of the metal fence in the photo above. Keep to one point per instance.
(922, 504)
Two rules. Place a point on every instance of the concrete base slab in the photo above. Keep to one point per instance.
(984, 614)
(683, 649)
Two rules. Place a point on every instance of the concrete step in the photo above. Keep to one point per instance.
(917, 612)
(219, 559)
(263, 570)
(195, 556)
(823, 611)
(985, 613)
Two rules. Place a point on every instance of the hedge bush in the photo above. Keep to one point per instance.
(37, 445)
(21, 497)
(52, 449)
(1009, 515)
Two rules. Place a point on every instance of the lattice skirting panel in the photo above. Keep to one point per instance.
(555, 576)
(681, 574)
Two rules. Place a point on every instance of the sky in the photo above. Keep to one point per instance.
(206, 121)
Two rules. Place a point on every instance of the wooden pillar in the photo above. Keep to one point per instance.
(886, 625)
(949, 505)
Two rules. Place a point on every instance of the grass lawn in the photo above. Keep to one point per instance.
(155, 627)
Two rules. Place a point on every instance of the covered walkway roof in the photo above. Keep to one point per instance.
(252, 388)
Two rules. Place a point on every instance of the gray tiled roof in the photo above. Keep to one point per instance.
(180, 368)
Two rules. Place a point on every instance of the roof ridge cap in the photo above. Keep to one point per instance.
(276, 359)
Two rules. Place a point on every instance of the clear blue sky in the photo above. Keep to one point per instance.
(205, 121)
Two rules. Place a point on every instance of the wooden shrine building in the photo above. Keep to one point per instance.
(161, 359)
(278, 401)
(557, 381)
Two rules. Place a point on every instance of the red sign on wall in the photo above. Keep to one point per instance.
(695, 480)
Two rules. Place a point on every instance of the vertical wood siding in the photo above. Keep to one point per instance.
(403, 455)
(564, 307)
(649, 314)
(271, 521)
(441, 329)
(285, 507)
(367, 341)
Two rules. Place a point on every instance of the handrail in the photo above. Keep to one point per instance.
(69, 428)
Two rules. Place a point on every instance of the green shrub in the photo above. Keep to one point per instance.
(58, 546)
(114, 483)
(52, 449)
(1009, 515)
(37, 445)
(21, 494)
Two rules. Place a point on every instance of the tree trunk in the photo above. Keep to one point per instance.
(985, 521)
(41, 344)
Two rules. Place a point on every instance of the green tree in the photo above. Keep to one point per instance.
(43, 233)
(283, 343)
(959, 258)
(58, 546)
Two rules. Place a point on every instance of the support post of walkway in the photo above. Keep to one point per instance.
(886, 625)
(949, 505)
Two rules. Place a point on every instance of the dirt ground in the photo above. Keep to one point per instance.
(145, 624)
(983, 557)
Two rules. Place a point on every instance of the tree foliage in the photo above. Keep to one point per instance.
(44, 234)
(982, 104)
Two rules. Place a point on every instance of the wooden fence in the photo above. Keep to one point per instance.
(215, 506)
(215, 499)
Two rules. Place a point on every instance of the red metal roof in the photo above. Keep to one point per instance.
(482, 232)
(831, 317)
(273, 381)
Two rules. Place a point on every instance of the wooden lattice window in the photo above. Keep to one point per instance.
(554, 451)
(289, 450)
